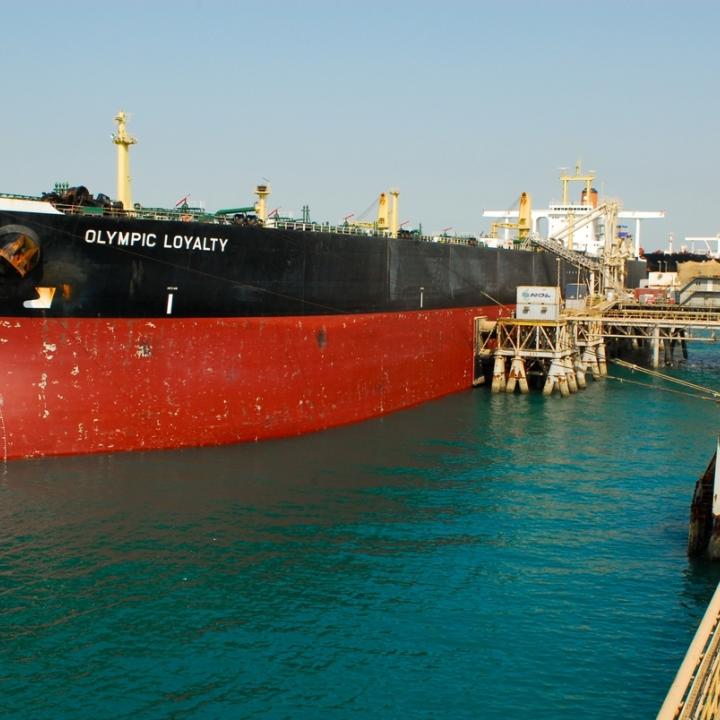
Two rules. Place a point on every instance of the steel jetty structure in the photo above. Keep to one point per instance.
(124, 328)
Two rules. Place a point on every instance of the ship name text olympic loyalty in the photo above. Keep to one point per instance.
(151, 240)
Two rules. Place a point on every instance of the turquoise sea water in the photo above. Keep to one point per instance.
(477, 557)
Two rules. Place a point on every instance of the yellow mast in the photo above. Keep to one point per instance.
(577, 177)
(123, 142)
(262, 191)
(394, 227)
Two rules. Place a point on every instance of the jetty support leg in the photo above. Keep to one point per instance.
(563, 384)
(590, 359)
(669, 352)
(556, 377)
(511, 378)
(656, 349)
(580, 373)
(498, 381)
(549, 385)
(522, 379)
(571, 379)
(602, 361)
(517, 376)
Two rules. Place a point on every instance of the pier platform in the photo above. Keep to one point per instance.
(563, 349)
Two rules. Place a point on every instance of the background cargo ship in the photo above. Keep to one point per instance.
(123, 329)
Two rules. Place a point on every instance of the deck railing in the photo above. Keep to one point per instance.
(188, 214)
(695, 693)
(363, 231)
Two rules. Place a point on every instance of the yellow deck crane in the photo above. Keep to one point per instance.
(523, 224)
(387, 214)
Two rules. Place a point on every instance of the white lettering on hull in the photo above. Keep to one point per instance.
(126, 238)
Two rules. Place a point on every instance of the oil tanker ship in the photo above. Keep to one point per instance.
(125, 329)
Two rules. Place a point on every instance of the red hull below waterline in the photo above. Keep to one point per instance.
(74, 385)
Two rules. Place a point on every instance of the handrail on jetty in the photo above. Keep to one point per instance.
(695, 693)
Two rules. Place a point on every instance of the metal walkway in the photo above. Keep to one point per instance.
(572, 257)
(660, 327)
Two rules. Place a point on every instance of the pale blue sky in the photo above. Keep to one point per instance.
(461, 105)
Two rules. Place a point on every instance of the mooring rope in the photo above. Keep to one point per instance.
(661, 389)
(714, 394)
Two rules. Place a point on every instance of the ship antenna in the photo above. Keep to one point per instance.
(123, 142)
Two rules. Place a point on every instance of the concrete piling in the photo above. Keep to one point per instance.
(517, 376)
(549, 386)
(601, 359)
(498, 381)
(580, 374)
(571, 380)
(590, 360)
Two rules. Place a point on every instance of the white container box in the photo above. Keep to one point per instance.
(537, 295)
(537, 302)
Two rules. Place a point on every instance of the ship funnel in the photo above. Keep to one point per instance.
(589, 198)
(123, 142)
(262, 191)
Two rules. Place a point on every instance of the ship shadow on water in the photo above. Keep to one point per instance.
(332, 479)
(353, 458)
